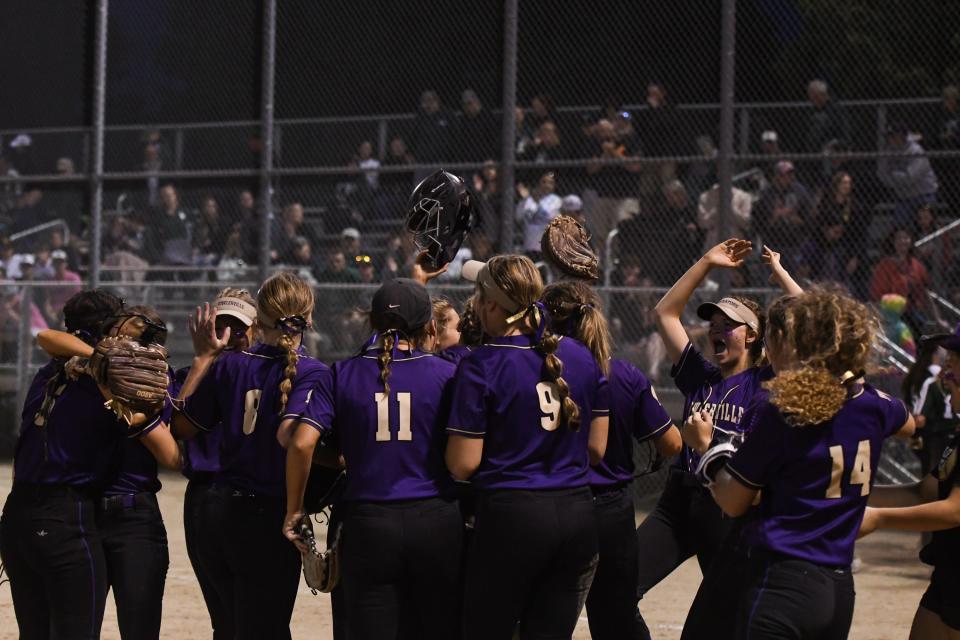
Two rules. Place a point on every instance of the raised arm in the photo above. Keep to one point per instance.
(779, 275)
(63, 344)
(206, 347)
(729, 254)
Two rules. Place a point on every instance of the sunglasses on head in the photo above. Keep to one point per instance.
(292, 324)
(152, 333)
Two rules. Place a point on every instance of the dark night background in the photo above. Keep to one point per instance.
(182, 60)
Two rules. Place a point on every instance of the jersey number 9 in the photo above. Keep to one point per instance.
(549, 396)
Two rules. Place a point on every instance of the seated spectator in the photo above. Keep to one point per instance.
(167, 234)
(535, 212)
(399, 256)
(632, 320)
(543, 149)
(542, 109)
(368, 163)
(702, 173)
(708, 211)
(211, 232)
(908, 174)
(58, 242)
(66, 200)
(29, 211)
(57, 296)
(783, 212)
(661, 135)
(937, 254)
(828, 125)
(288, 226)
(901, 273)
(477, 130)
(831, 255)
(432, 129)
(350, 241)
(572, 205)
(367, 268)
(681, 241)
(232, 265)
(523, 131)
(156, 157)
(769, 146)
(486, 188)
(612, 178)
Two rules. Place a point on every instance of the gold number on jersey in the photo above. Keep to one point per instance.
(383, 417)
(251, 403)
(549, 396)
(860, 473)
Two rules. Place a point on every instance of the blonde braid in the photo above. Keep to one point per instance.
(383, 360)
(286, 386)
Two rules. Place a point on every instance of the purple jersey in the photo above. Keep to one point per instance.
(501, 394)
(705, 389)
(393, 446)
(814, 480)
(77, 442)
(201, 453)
(240, 396)
(456, 353)
(635, 413)
(135, 469)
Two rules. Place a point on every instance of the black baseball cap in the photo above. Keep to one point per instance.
(949, 341)
(405, 300)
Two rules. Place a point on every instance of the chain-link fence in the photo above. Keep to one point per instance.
(244, 137)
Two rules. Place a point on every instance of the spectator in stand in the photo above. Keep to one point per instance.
(900, 272)
(57, 296)
(542, 109)
(572, 205)
(369, 165)
(245, 212)
(542, 149)
(535, 212)
(432, 129)
(661, 136)
(8, 190)
(66, 199)
(523, 131)
(303, 261)
(632, 320)
(167, 239)
(708, 210)
(367, 268)
(702, 173)
(676, 216)
(338, 302)
(21, 155)
(486, 188)
(232, 265)
(350, 241)
(477, 130)
(399, 256)
(944, 135)
(395, 186)
(613, 187)
(29, 211)
(831, 254)
(769, 146)
(908, 173)
(58, 242)
(154, 158)
(936, 255)
(337, 269)
(839, 202)
(44, 263)
(783, 213)
(211, 233)
(288, 226)
(828, 125)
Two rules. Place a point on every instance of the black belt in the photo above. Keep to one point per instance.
(125, 501)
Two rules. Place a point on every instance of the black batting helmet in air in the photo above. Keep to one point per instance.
(440, 213)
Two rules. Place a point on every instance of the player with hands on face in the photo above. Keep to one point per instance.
(686, 521)
(256, 397)
(814, 440)
(933, 504)
(400, 552)
(528, 417)
(635, 414)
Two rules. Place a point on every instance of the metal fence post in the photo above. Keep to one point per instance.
(96, 171)
(507, 177)
(266, 131)
(725, 159)
(24, 345)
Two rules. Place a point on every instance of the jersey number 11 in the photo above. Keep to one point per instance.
(383, 416)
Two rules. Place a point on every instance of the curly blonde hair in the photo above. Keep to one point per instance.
(830, 336)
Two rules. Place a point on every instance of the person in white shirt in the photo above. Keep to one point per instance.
(536, 210)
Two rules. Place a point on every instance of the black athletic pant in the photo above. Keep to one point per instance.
(51, 550)
(253, 567)
(791, 599)
(401, 554)
(194, 503)
(612, 602)
(685, 522)
(338, 608)
(135, 546)
(713, 614)
(531, 561)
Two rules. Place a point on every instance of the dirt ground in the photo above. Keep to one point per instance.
(888, 589)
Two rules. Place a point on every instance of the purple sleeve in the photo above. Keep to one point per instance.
(311, 400)
(894, 412)
(692, 371)
(650, 419)
(164, 417)
(601, 398)
(468, 411)
(759, 455)
(202, 408)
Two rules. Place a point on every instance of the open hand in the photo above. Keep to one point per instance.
(729, 254)
(203, 331)
(423, 270)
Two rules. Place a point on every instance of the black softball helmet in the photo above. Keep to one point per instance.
(440, 213)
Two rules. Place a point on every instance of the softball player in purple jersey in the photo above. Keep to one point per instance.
(933, 505)
(635, 414)
(402, 530)
(811, 455)
(255, 398)
(234, 308)
(686, 521)
(528, 417)
(49, 541)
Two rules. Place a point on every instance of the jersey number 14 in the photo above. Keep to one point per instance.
(859, 474)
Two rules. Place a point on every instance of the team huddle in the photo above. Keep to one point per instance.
(476, 463)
